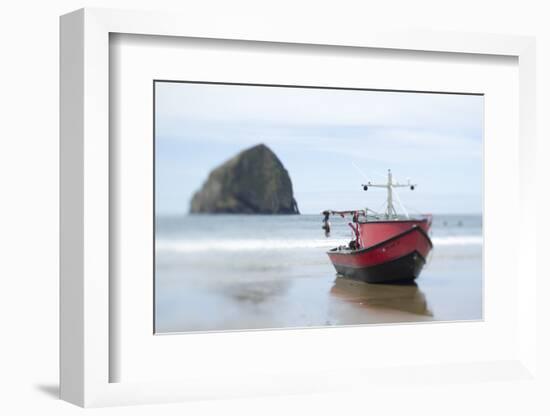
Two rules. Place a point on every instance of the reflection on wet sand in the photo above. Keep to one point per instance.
(401, 297)
(255, 292)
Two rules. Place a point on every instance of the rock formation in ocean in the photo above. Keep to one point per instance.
(253, 182)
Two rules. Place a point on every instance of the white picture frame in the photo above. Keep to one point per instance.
(85, 307)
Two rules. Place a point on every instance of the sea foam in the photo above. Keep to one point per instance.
(201, 245)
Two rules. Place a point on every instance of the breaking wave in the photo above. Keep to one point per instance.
(200, 245)
(243, 245)
(458, 240)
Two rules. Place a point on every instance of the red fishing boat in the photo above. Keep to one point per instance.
(387, 247)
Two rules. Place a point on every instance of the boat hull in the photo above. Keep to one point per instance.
(397, 259)
(403, 269)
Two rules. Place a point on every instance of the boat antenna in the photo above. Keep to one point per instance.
(401, 204)
(390, 186)
(358, 169)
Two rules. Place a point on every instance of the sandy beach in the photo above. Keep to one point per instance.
(216, 273)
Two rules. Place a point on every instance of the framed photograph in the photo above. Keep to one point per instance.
(237, 206)
(259, 204)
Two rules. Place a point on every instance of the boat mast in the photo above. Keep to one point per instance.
(390, 209)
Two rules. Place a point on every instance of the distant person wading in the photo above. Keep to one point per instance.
(326, 223)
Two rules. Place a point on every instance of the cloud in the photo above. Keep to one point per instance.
(436, 139)
(182, 103)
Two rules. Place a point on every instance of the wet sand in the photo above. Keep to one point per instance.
(244, 291)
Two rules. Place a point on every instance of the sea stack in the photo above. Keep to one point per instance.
(252, 182)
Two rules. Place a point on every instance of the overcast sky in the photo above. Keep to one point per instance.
(321, 136)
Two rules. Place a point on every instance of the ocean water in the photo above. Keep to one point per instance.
(238, 272)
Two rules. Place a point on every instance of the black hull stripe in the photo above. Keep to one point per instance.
(380, 264)
(404, 268)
